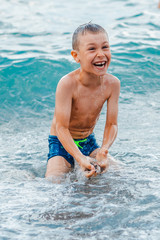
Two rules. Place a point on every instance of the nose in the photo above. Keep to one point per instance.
(100, 53)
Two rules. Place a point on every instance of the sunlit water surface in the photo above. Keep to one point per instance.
(35, 45)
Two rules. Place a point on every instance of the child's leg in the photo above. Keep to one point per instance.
(57, 166)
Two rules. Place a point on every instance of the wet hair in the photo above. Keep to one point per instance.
(83, 29)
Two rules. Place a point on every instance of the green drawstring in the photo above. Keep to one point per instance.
(79, 141)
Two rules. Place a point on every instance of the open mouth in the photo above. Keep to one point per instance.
(100, 64)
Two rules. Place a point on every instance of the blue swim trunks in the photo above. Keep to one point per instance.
(86, 146)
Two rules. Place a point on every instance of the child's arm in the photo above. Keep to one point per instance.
(63, 113)
(111, 128)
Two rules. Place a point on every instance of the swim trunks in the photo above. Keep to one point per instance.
(86, 146)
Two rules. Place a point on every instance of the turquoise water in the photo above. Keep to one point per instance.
(35, 44)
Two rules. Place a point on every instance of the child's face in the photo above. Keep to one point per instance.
(94, 53)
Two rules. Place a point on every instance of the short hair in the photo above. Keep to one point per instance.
(83, 29)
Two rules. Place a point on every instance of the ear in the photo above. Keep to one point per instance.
(74, 54)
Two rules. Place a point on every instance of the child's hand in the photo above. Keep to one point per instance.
(102, 159)
(87, 167)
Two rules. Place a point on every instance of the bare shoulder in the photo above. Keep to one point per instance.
(67, 82)
(111, 80)
(112, 83)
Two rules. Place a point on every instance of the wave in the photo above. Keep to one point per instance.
(31, 84)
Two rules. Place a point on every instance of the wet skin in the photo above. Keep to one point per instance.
(80, 97)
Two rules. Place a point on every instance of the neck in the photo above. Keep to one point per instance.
(89, 79)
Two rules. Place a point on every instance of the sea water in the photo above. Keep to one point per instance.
(35, 45)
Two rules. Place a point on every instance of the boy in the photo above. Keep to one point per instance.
(80, 96)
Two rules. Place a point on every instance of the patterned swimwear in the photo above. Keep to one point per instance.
(86, 146)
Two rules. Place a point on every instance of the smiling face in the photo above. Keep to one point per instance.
(93, 53)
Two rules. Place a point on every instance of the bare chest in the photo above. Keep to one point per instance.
(86, 105)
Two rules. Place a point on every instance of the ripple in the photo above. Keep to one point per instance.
(35, 53)
(130, 17)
